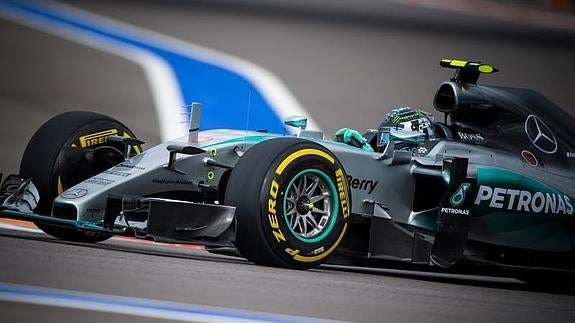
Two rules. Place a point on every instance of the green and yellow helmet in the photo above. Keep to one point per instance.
(406, 120)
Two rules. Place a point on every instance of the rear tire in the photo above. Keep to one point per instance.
(55, 159)
(292, 203)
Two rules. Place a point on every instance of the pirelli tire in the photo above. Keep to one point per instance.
(292, 203)
(66, 150)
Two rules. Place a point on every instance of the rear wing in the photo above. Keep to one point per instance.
(454, 94)
(467, 71)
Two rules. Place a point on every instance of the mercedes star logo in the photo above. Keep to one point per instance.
(75, 193)
(540, 134)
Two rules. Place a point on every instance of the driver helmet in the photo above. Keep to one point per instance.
(411, 122)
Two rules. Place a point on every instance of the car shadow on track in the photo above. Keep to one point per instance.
(496, 279)
(500, 281)
(131, 247)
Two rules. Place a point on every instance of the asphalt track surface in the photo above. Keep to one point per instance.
(197, 277)
(346, 72)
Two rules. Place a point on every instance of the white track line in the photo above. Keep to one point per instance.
(271, 87)
(139, 307)
(164, 87)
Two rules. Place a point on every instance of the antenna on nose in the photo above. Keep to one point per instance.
(196, 111)
(249, 110)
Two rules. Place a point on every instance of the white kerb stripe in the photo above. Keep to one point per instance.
(270, 86)
(164, 87)
(141, 307)
(118, 309)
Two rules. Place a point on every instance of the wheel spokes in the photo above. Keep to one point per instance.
(295, 190)
(309, 217)
(291, 200)
(302, 185)
(302, 224)
(308, 205)
(317, 198)
(291, 214)
(316, 210)
(311, 188)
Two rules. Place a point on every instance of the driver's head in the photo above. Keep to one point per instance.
(405, 119)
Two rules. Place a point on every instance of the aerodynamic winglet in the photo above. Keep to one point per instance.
(467, 71)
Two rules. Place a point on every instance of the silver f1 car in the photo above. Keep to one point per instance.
(495, 185)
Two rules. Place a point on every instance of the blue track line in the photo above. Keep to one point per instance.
(135, 306)
(224, 93)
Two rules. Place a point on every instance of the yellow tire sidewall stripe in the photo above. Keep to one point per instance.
(300, 153)
(325, 253)
(280, 169)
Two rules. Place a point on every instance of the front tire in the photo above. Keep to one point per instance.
(66, 150)
(292, 203)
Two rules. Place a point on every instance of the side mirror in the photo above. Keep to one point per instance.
(296, 122)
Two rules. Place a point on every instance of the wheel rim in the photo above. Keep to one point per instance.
(311, 205)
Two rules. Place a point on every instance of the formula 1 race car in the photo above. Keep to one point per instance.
(495, 185)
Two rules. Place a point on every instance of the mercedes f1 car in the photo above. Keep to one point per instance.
(496, 185)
